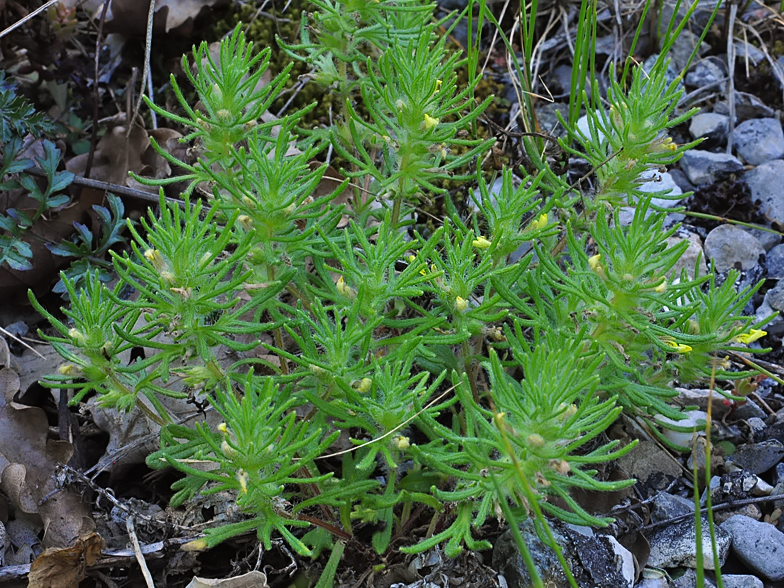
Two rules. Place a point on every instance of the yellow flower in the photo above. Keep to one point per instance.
(78, 336)
(222, 428)
(678, 347)
(402, 443)
(481, 243)
(242, 477)
(345, 289)
(661, 288)
(155, 258)
(429, 122)
(752, 335)
(539, 223)
(593, 261)
(461, 304)
(364, 385)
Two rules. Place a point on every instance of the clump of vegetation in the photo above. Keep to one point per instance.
(464, 380)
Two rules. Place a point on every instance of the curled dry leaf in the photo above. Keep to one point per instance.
(28, 463)
(129, 17)
(249, 580)
(65, 567)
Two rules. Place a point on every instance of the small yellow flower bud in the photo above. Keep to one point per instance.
(627, 277)
(217, 93)
(69, 369)
(317, 371)
(222, 428)
(400, 104)
(678, 347)
(593, 261)
(661, 288)
(693, 327)
(242, 478)
(289, 210)
(227, 450)
(560, 465)
(461, 304)
(345, 289)
(245, 222)
(249, 202)
(364, 385)
(250, 125)
(429, 122)
(402, 443)
(205, 259)
(438, 85)
(223, 115)
(168, 277)
(539, 223)
(155, 258)
(569, 412)
(481, 243)
(751, 336)
(78, 336)
(536, 440)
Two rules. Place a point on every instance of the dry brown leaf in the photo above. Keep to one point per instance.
(129, 17)
(65, 567)
(249, 580)
(115, 155)
(28, 463)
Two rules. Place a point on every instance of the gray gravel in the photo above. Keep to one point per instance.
(759, 140)
(759, 545)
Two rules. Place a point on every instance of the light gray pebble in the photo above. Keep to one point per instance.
(705, 73)
(741, 581)
(676, 545)
(728, 245)
(758, 545)
(710, 126)
(758, 457)
(759, 140)
(774, 263)
(765, 182)
(705, 167)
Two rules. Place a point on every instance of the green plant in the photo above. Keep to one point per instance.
(468, 385)
(19, 123)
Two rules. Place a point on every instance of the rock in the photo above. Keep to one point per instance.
(548, 119)
(776, 325)
(676, 545)
(759, 140)
(780, 473)
(710, 126)
(680, 178)
(765, 183)
(683, 47)
(597, 561)
(744, 51)
(759, 545)
(652, 467)
(774, 263)
(728, 245)
(748, 410)
(741, 581)
(706, 73)
(766, 238)
(758, 457)
(689, 580)
(746, 106)
(689, 258)
(704, 167)
(658, 582)
(668, 506)
(757, 428)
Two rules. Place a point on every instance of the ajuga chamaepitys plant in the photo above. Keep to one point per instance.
(470, 366)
